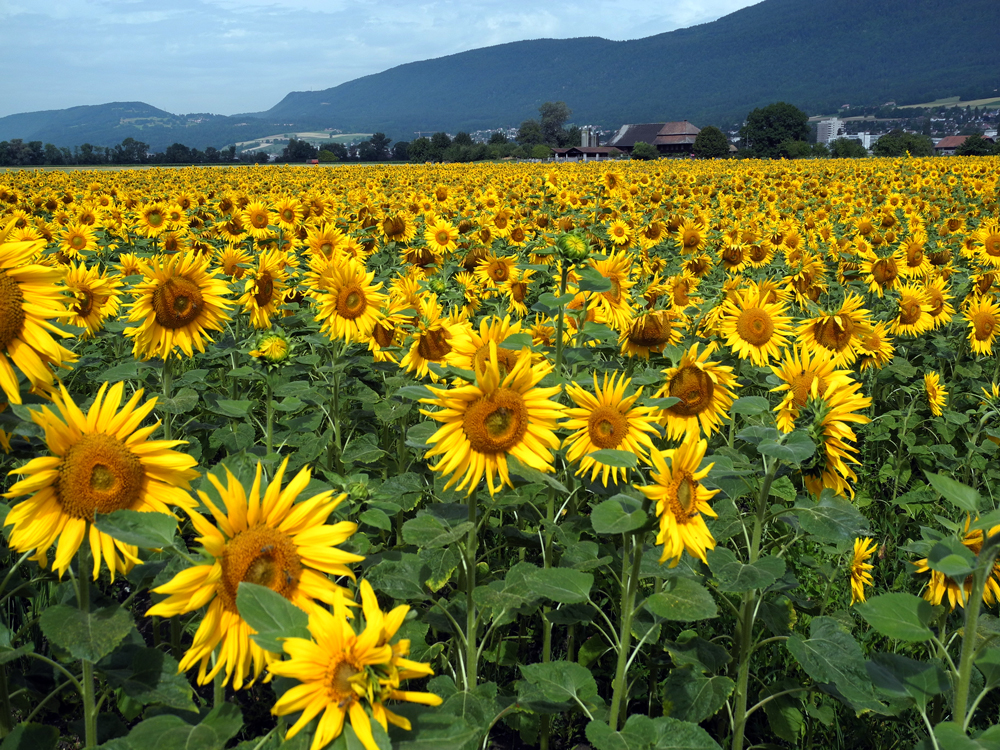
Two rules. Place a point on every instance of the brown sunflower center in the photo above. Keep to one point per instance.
(498, 270)
(834, 332)
(496, 422)
(177, 302)
(692, 239)
(443, 237)
(84, 302)
(984, 324)
(653, 331)
(78, 242)
(155, 219)
(884, 271)
(681, 297)
(259, 219)
(992, 245)
(265, 289)
(351, 302)
(755, 326)
(99, 474)
(936, 301)
(11, 310)
(801, 385)
(694, 387)
(914, 255)
(607, 427)
(506, 359)
(909, 311)
(433, 345)
(288, 215)
(261, 555)
(682, 496)
(518, 291)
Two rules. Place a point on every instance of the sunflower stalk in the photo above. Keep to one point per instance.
(560, 321)
(471, 650)
(748, 610)
(984, 567)
(87, 679)
(630, 585)
(270, 415)
(546, 724)
(167, 381)
(6, 718)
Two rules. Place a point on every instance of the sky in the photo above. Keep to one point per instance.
(234, 56)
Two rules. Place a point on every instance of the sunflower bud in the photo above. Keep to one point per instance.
(437, 285)
(273, 347)
(573, 247)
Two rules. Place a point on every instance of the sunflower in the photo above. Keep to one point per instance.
(265, 288)
(875, 349)
(232, 259)
(495, 417)
(494, 269)
(691, 237)
(983, 316)
(152, 219)
(915, 261)
(388, 332)
(705, 392)
(838, 332)
(826, 417)
(936, 293)
(268, 540)
(681, 500)
(325, 240)
(614, 303)
(652, 234)
(881, 273)
(914, 314)
(433, 339)
(255, 219)
(77, 239)
(340, 671)
(98, 297)
(129, 264)
(803, 373)
(177, 302)
(288, 212)
(619, 233)
(860, 568)
(607, 419)
(755, 329)
(941, 586)
(441, 237)
(347, 302)
(398, 228)
(651, 332)
(99, 463)
(936, 395)
(30, 296)
(471, 352)
(516, 289)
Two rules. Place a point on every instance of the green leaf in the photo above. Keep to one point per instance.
(693, 696)
(561, 681)
(691, 649)
(562, 585)
(89, 636)
(989, 664)
(362, 450)
(31, 737)
(168, 732)
(950, 735)
(793, 448)
(376, 518)
(418, 435)
(234, 409)
(532, 475)
(901, 677)
(591, 280)
(733, 576)
(603, 737)
(951, 557)
(618, 515)
(180, 403)
(782, 711)
(831, 655)
(399, 575)
(682, 600)
(148, 675)
(750, 405)
(518, 341)
(831, 518)
(898, 615)
(271, 615)
(414, 392)
(146, 530)
(429, 532)
(441, 566)
(961, 495)
(615, 458)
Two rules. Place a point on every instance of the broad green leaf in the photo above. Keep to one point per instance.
(235, 409)
(898, 615)
(989, 664)
(441, 566)
(430, 532)
(561, 681)
(618, 515)
(31, 737)
(750, 405)
(691, 649)
(167, 732)
(146, 530)
(666, 733)
(793, 448)
(362, 450)
(529, 474)
(414, 392)
(951, 557)
(615, 459)
(831, 518)
(563, 585)
(831, 655)
(375, 518)
(90, 636)
(960, 495)
(693, 696)
(518, 341)
(733, 576)
(603, 737)
(682, 600)
(783, 713)
(418, 435)
(901, 677)
(433, 730)
(180, 403)
(148, 675)
(950, 735)
(271, 615)
(591, 280)
(399, 575)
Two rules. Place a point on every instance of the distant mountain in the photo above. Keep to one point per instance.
(816, 55)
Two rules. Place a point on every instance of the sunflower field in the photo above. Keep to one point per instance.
(634, 456)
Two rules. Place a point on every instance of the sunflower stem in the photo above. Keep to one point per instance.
(471, 649)
(984, 567)
(630, 584)
(87, 679)
(167, 381)
(218, 683)
(6, 719)
(270, 416)
(336, 446)
(560, 321)
(550, 510)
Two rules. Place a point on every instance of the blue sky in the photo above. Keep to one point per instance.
(229, 56)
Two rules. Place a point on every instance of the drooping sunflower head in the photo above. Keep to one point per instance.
(936, 394)
(651, 332)
(861, 569)
(705, 390)
(983, 317)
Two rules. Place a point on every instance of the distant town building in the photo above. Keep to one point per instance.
(667, 137)
(589, 137)
(585, 153)
(829, 130)
(946, 146)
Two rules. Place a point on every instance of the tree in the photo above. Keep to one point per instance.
(795, 150)
(380, 143)
(847, 148)
(572, 137)
(767, 128)
(554, 115)
(498, 138)
(420, 150)
(462, 138)
(297, 150)
(400, 151)
(541, 151)
(974, 145)
(177, 153)
(530, 133)
(367, 152)
(644, 151)
(131, 151)
(710, 143)
(327, 157)
(899, 143)
(440, 141)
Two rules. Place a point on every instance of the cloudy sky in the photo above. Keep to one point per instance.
(234, 56)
